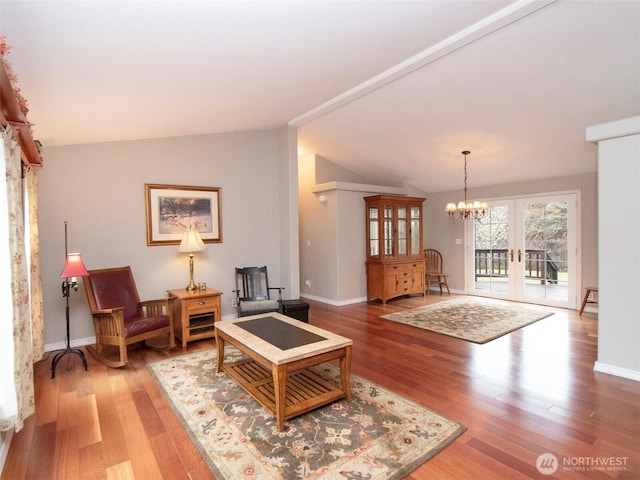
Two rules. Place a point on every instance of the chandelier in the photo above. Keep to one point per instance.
(466, 210)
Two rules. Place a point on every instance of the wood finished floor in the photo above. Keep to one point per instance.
(527, 393)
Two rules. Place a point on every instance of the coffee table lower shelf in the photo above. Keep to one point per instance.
(305, 391)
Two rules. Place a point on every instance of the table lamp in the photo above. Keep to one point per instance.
(191, 243)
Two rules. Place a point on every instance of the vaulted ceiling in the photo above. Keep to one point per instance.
(391, 90)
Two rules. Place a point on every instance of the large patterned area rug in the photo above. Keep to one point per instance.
(472, 319)
(378, 435)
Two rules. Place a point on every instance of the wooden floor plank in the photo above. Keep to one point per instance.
(41, 454)
(92, 464)
(531, 392)
(88, 421)
(66, 460)
(121, 471)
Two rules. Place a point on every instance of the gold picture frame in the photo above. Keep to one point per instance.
(173, 209)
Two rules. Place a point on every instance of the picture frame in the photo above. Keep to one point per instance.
(173, 209)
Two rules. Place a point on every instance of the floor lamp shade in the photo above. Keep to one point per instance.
(73, 266)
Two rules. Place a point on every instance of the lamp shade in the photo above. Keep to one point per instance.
(73, 266)
(191, 242)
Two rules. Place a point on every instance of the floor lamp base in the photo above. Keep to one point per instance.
(58, 356)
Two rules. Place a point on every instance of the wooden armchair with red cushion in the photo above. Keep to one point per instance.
(120, 318)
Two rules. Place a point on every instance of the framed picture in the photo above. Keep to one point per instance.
(173, 209)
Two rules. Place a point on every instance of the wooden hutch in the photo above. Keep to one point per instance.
(395, 262)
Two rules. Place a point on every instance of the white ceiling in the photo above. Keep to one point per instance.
(393, 90)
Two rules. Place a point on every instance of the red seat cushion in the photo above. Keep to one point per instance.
(137, 325)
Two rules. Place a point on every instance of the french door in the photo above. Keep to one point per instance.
(525, 250)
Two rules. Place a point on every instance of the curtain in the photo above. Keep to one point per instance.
(18, 282)
(35, 278)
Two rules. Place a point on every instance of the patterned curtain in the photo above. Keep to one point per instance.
(22, 343)
(35, 280)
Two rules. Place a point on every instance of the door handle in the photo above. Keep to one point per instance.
(511, 255)
(519, 255)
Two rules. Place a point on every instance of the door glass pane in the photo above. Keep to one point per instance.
(415, 231)
(491, 254)
(402, 231)
(546, 253)
(388, 231)
(373, 232)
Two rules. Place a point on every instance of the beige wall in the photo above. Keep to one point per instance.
(99, 190)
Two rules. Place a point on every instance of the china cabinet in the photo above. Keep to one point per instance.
(395, 263)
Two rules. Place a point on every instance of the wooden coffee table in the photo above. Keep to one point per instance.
(280, 350)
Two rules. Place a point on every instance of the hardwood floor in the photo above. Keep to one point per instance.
(531, 392)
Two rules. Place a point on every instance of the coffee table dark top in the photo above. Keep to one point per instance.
(321, 341)
(276, 332)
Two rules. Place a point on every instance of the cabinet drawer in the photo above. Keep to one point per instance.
(200, 305)
(402, 269)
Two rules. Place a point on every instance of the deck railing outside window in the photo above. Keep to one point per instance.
(495, 263)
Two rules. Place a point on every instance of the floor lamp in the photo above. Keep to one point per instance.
(73, 268)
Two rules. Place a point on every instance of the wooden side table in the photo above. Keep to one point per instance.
(194, 313)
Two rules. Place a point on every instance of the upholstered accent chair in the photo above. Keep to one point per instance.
(253, 293)
(433, 271)
(120, 318)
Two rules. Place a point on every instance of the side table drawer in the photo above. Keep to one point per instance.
(197, 305)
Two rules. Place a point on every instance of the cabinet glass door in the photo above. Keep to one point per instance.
(388, 231)
(415, 231)
(402, 231)
(374, 232)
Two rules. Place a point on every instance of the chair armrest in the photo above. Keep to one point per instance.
(279, 291)
(156, 307)
(159, 301)
(108, 311)
(108, 322)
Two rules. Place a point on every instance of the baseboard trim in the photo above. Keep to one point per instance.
(351, 301)
(617, 371)
(335, 303)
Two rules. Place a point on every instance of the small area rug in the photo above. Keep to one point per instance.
(379, 435)
(470, 319)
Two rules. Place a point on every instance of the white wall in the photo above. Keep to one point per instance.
(99, 190)
(619, 237)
